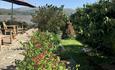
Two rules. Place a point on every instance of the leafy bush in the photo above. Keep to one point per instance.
(50, 18)
(39, 53)
(95, 25)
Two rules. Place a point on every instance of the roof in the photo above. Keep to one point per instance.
(19, 2)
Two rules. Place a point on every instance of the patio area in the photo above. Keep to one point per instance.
(11, 52)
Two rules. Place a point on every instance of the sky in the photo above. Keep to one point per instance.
(67, 3)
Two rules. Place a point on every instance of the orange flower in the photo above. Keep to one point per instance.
(41, 56)
(38, 58)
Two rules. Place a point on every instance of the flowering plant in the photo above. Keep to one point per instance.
(39, 53)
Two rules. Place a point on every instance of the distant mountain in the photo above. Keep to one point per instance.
(4, 11)
(15, 12)
(24, 14)
(29, 11)
(69, 11)
(23, 9)
(20, 18)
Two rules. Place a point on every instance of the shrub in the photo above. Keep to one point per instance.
(39, 53)
(50, 18)
(95, 25)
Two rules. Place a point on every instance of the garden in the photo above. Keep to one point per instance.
(83, 41)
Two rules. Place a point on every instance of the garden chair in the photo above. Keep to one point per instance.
(6, 33)
(20, 29)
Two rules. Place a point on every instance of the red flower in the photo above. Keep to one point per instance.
(41, 56)
(38, 58)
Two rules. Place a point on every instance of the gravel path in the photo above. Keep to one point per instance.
(11, 52)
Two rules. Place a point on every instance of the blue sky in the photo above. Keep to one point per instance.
(67, 3)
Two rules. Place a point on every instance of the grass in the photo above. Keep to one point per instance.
(74, 50)
(71, 42)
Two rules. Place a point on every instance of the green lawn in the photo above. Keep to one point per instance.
(73, 49)
(70, 42)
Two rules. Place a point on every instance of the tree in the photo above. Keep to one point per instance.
(95, 25)
(68, 31)
(50, 18)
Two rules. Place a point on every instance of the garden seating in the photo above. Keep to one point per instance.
(20, 29)
(8, 31)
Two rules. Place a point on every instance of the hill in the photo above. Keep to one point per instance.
(24, 14)
(15, 12)
(29, 11)
(20, 18)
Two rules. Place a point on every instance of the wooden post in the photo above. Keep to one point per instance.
(11, 37)
(2, 42)
(12, 14)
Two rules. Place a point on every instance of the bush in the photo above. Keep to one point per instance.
(95, 25)
(39, 53)
(50, 18)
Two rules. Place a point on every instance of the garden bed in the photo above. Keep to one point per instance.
(39, 53)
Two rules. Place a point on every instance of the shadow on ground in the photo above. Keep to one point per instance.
(12, 67)
(76, 56)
